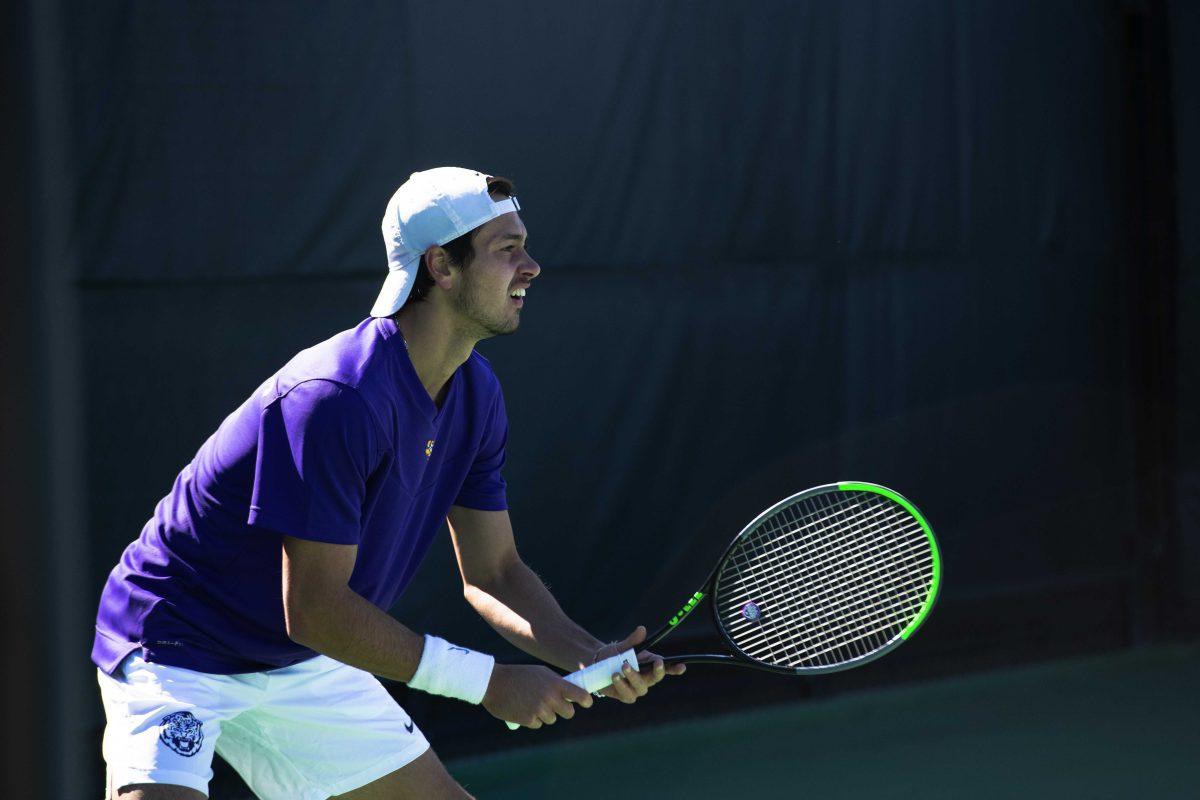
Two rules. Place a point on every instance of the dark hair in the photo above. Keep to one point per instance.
(460, 250)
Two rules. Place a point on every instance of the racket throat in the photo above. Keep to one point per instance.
(687, 609)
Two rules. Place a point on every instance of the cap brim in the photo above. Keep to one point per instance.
(396, 288)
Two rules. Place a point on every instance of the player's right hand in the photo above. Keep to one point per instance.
(531, 695)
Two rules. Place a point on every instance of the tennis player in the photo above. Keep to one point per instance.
(249, 618)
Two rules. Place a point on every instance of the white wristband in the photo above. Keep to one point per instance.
(452, 671)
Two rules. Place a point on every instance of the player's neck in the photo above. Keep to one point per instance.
(436, 346)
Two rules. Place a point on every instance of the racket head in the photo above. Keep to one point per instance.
(828, 579)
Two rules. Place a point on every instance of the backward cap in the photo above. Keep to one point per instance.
(430, 208)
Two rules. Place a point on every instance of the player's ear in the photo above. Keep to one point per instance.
(437, 262)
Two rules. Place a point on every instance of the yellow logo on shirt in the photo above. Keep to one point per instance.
(429, 448)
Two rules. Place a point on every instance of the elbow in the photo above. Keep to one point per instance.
(480, 594)
(300, 623)
(293, 624)
(473, 593)
(491, 584)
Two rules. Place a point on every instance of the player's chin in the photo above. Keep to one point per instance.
(505, 329)
(512, 323)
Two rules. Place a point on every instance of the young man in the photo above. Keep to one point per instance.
(249, 615)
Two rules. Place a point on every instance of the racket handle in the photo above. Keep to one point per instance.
(595, 677)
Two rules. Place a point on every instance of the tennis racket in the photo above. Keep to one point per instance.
(826, 580)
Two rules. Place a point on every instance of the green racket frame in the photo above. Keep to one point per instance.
(742, 659)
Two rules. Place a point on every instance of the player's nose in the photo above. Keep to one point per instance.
(530, 268)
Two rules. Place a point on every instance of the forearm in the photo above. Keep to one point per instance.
(347, 627)
(521, 609)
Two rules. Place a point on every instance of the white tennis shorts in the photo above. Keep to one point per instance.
(305, 732)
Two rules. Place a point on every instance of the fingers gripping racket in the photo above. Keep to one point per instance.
(595, 677)
(826, 580)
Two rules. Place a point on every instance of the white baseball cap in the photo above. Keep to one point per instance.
(430, 208)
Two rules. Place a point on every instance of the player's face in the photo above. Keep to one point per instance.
(500, 269)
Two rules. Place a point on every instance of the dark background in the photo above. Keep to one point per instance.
(950, 247)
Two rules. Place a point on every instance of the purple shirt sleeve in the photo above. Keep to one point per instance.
(317, 447)
(484, 487)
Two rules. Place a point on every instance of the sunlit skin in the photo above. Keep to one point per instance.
(501, 265)
(468, 303)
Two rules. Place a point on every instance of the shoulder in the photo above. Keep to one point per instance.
(327, 404)
(322, 393)
(348, 359)
(478, 366)
(481, 379)
(333, 377)
(323, 416)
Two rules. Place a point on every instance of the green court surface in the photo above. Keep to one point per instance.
(1126, 725)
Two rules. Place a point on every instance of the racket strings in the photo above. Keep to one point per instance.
(760, 569)
(780, 649)
(787, 617)
(885, 602)
(844, 597)
(834, 577)
(788, 560)
(872, 621)
(888, 601)
(784, 564)
(871, 608)
(786, 537)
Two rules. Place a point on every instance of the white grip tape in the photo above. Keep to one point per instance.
(595, 677)
(598, 676)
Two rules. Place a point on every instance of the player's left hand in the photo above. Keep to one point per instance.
(631, 683)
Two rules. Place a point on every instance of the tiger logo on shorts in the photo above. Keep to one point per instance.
(182, 732)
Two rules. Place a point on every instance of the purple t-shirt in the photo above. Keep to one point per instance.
(342, 445)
